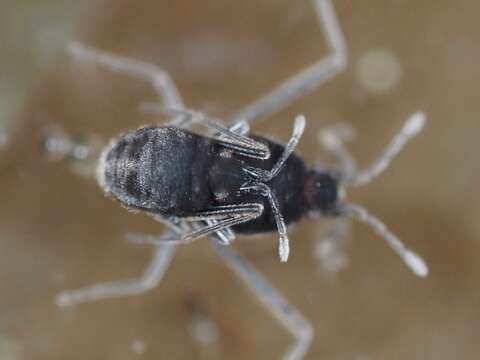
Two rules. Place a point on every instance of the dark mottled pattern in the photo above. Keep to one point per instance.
(153, 168)
(175, 172)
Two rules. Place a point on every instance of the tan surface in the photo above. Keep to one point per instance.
(58, 231)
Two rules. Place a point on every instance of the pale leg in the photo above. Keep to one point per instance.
(151, 277)
(308, 79)
(293, 321)
(160, 79)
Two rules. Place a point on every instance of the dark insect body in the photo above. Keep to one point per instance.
(174, 172)
(230, 181)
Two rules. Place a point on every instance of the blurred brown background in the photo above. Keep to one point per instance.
(58, 231)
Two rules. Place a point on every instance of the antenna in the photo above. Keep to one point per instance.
(413, 261)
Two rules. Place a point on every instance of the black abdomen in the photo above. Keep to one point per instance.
(156, 169)
(169, 171)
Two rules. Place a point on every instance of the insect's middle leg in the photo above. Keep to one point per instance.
(290, 317)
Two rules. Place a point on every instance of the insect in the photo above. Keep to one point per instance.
(230, 181)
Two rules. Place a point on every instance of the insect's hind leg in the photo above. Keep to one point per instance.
(308, 79)
(149, 280)
(159, 78)
(294, 322)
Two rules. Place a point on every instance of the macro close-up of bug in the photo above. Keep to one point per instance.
(159, 159)
(231, 182)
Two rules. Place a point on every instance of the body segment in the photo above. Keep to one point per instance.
(169, 171)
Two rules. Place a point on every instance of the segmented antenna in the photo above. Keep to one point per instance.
(413, 261)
